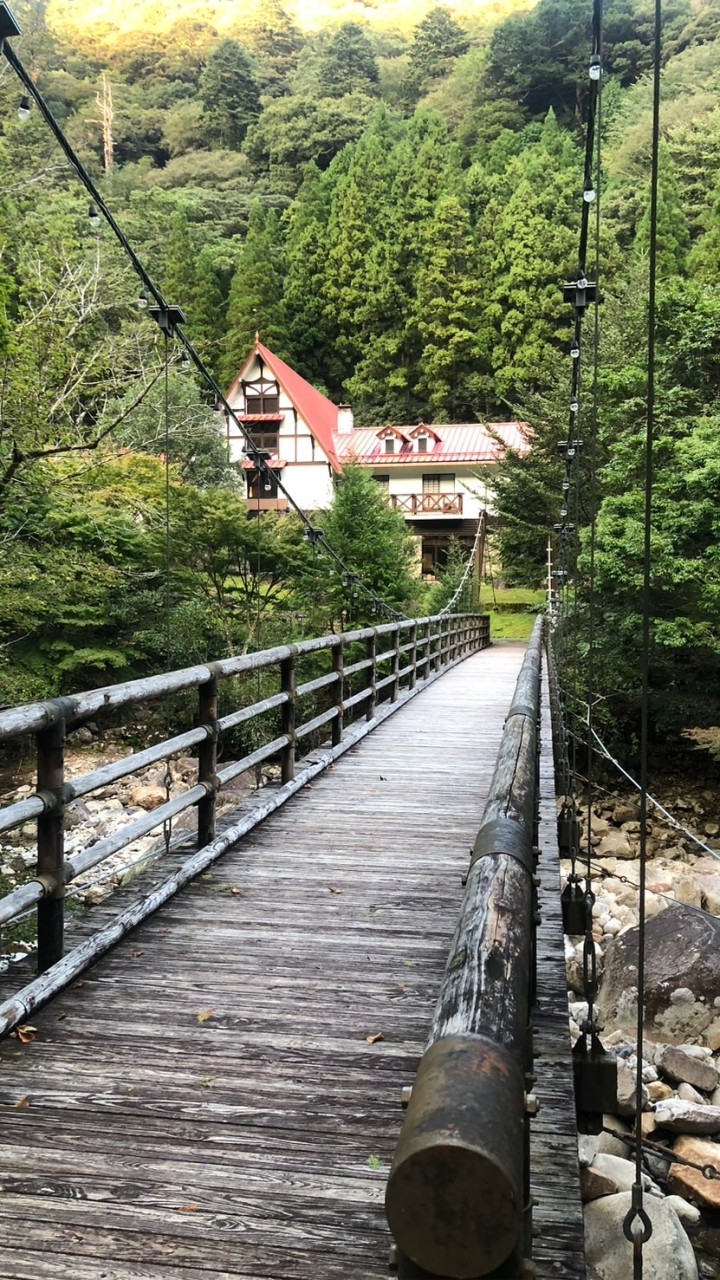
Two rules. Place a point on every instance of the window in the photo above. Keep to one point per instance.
(438, 483)
(422, 442)
(264, 439)
(262, 485)
(383, 481)
(389, 444)
(262, 403)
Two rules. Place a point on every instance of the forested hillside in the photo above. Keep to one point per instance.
(394, 207)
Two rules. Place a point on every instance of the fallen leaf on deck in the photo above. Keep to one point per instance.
(205, 1015)
(25, 1034)
(188, 1208)
(333, 889)
(78, 984)
(135, 953)
(234, 889)
(374, 1162)
(22, 1103)
(61, 1017)
(374, 1039)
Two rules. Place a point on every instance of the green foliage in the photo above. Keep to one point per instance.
(348, 63)
(230, 92)
(438, 41)
(372, 540)
(255, 302)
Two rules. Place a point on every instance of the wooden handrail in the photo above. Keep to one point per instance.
(50, 721)
(458, 1186)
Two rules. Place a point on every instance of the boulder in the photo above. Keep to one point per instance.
(691, 1183)
(682, 947)
(687, 1117)
(688, 1094)
(609, 1145)
(619, 1170)
(686, 1212)
(627, 1099)
(616, 844)
(667, 1255)
(594, 1184)
(147, 797)
(624, 812)
(659, 1091)
(677, 1064)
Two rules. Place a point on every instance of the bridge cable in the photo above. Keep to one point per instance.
(579, 293)
(174, 318)
(637, 1226)
(591, 986)
(168, 778)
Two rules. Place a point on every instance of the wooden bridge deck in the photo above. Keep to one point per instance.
(220, 1095)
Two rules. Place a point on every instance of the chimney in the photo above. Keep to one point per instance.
(345, 420)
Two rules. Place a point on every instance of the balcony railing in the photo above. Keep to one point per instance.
(428, 504)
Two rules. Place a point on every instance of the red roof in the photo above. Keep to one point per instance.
(314, 408)
(454, 442)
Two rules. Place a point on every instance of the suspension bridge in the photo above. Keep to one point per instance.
(326, 1036)
(215, 1078)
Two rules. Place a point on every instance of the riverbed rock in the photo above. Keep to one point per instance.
(679, 941)
(677, 1064)
(687, 1117)
(616, 844)
(691, 1183)
(667, 1255)
(148, 797)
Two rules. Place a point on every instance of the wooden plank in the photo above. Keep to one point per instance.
(555, 1177)
(275, 1117)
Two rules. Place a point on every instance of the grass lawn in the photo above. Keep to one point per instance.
(512, 610)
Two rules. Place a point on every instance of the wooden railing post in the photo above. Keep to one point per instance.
(50, 844)
(395, 669)
(207, 760)
(287, 715)
(413, 656)
(371, 647)
(338, 662)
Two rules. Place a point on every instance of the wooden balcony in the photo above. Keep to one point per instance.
(427, 504)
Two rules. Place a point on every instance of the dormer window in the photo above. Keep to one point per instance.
(425, 438)
(422, 444)
(392, 440)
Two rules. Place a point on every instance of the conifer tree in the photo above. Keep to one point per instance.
(276, 42)
(673, 237)
(308, 326)
(229, 89)
(424, 166)
(206, 309)
(438, 40)
(255, 303)
(358, 223)
(448, 316)
(348, 63)
(179, 263)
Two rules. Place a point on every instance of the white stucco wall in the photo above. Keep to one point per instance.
(454, 478)
(307, 474)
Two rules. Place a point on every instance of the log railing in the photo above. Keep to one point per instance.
(370, 672)
(457, 1195)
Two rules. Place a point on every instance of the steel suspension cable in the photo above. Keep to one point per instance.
(637, 1226)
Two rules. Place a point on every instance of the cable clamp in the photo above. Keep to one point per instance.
(167, 318)
(580, 293)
